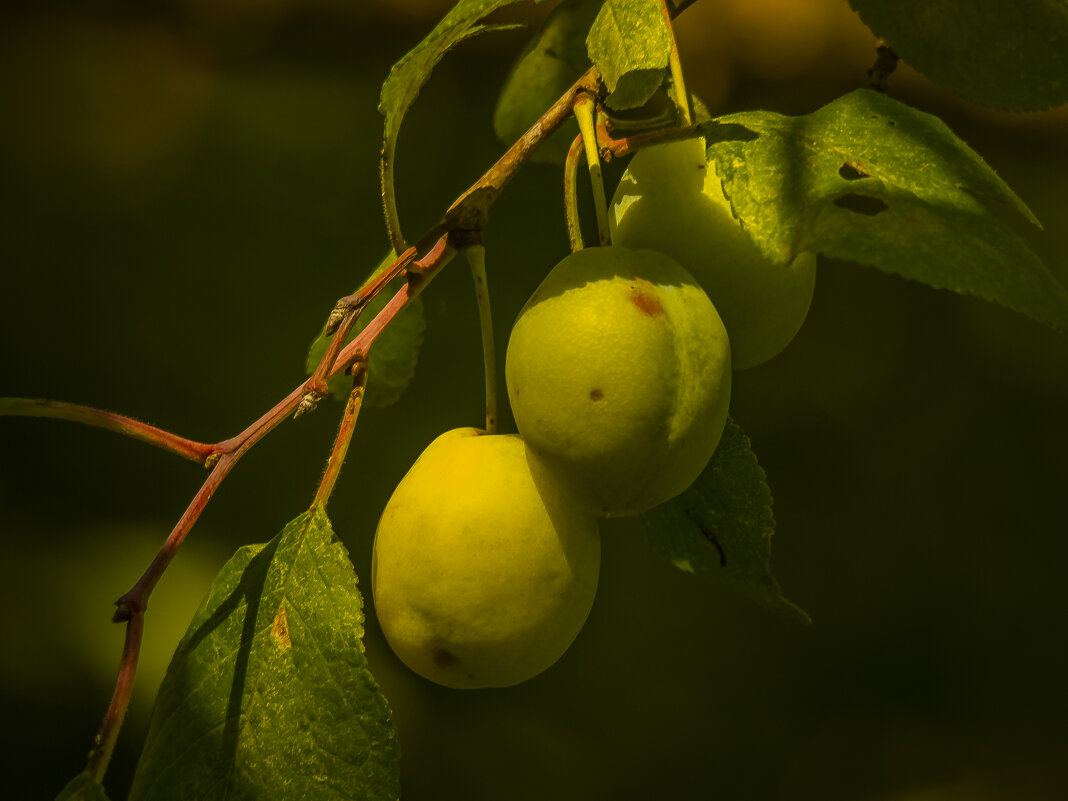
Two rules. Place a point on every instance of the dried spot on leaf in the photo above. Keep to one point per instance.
(280, 628)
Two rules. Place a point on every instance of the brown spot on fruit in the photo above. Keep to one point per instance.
(643, 296)
(444, 657)
(596, 394)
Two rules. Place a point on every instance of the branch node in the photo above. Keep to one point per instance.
(885, 63)
(463, 238)
(308, 403)
(125, 608)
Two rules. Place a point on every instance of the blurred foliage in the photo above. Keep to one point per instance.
(186, 189)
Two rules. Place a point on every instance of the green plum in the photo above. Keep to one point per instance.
(483, 572)
(671, 200)
(619, 372)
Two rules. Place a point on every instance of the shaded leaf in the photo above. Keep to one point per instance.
(548, 66)
(721, 527)
(630, 43)
(82, 788)
(391, 364)
(1011, 55)
(871, 180)
(269, 696)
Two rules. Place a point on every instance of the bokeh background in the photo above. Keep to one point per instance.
(185, 189)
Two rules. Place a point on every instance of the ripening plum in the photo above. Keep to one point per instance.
(671, 200)
(482, 573)
(619, 372)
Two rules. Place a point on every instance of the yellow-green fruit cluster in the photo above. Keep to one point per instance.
(483, 570)
(671, 200)
(618, 372)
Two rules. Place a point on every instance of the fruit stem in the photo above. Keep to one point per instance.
(110, 421)
(476, 258)
(574, 226)
(682, 98)
(344, 436)
(625, 146)
(584, 113)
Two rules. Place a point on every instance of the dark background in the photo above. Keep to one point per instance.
(185, 189)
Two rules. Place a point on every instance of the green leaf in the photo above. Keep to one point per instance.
(82, 788)
(548, 66)
(1008, 54)
(391, 364)
(268, 697)
(630, 43)
(721, 527)
(871, 180)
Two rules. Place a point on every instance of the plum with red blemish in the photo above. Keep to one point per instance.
(619, 373)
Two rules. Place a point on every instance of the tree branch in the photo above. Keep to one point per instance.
(110, 421)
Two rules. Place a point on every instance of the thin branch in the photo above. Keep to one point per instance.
(136, 600)
(110, 421)
(470, 209)
(424, 270)
(340, 323)
(625, 146)
(343, 438)
(104, 745)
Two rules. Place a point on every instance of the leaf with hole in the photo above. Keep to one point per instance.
(871, 180)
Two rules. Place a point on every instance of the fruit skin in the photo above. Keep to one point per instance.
(481, 574)
(670, 200)
(618, 373)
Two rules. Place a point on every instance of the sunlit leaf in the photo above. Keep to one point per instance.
(269, 696)
(871, 180)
